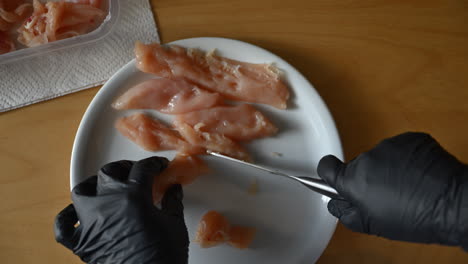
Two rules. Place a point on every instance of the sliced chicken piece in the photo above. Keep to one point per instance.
(167, 96)
(152, 135)
(214, 229)
(211, 141)
(58, 20)
(182, 170)
(236, 80)
(241, 122)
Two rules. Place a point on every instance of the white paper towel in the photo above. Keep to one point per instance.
(73, 69)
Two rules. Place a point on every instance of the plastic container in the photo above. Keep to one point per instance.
(112, 8)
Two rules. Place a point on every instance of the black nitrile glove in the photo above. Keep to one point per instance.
(117, 220)
(406, 188)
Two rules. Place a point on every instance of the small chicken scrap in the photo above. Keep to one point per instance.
(214, 229)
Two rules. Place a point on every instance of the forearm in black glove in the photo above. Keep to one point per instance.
(406, 188)
(117, 220)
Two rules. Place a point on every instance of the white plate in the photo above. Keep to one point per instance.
(293, 224)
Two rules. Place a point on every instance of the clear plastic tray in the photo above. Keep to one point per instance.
(112, 8)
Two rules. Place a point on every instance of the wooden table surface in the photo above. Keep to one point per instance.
(383, 67)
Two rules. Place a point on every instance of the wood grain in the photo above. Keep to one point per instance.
(382, 67)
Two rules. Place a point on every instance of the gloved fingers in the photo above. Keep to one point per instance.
(64, 227)
(113, 176)
(348, 215)
(338, 207)
(118, 170)
(171, 203)
(86, 187)
(330, 169)
(144, 171)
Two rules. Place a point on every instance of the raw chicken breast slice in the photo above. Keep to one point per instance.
(258, 83)
(58, 20)
(241, 122)
(215, 229)
(151, 134)
(182, 170)
(167, 96)
(211, 141)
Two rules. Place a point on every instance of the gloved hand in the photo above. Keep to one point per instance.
(117, 220)
(406, 188)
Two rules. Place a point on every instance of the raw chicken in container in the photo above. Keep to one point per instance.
(12, 12)
(6, 44)
(54, 21)
(235, 80)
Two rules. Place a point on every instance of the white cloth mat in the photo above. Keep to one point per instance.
(73, 69)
